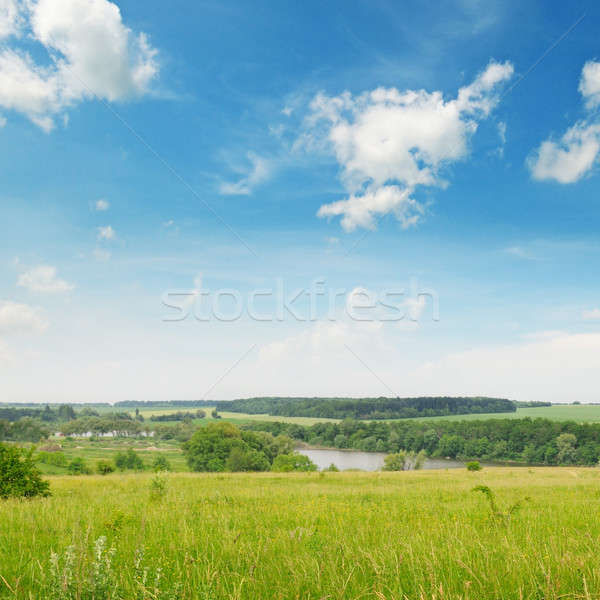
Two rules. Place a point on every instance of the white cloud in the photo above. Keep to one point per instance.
(589, 84)
(260, 170)
(574, 155)
(2, 121)
(10, 18)
(569, 159)
(591, 314)
(101, 205)
(92, 53)
(106, 233)
(43, 279)
(18, 318)
(388, 142)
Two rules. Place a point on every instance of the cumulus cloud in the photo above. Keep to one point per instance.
(589, 84)
(573, 155)
(106, 233)
(43, 279)
(18, 318)
(91, 51)
(101, 205)
(388, 142)
(259, 171)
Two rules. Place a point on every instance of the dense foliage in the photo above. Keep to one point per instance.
(368, 408)
(533, 441)
(179, 416)
(286, 463)
(224, 447)
(19, 477)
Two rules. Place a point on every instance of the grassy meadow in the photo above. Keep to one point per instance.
(581, 413)
(343, 536)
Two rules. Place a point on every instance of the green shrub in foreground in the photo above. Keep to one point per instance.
(285, 463)
(473, 465)
(19, 476)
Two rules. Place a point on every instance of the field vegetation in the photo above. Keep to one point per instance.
(344, 536)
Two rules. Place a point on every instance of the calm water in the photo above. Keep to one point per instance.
(366, 461)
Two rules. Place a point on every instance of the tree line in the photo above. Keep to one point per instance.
(531, 441)
(368, 408)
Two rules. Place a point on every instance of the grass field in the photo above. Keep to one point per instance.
(343, 536)
(106, 449)
(568, 412)
(582, 413)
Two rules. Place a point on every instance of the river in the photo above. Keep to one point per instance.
(365, 461)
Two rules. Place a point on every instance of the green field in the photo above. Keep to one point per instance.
(568, 412)
(343, 536)
(581, 413)
(106, 449)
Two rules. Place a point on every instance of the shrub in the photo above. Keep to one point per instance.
(160, 463)
(285, 463)
(473, 465)
(104, 467)
(394, 462)
(128, 460)
(19, 476)
(158, 486)
(78, 466)
(332, 468)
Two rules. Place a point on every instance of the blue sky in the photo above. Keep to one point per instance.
(152, 148)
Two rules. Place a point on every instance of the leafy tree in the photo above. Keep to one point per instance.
(451, 445)
(161, 463)
(285, 463)
(78, 466)
(394, 462)
(128, 460)
(19, 477)
(565, 444)
(66, 412)
(246, 459)
(104, 467)
(211, 448)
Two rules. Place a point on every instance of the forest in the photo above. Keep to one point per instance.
(368, 408)
(531, 441)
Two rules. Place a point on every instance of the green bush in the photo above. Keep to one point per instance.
(19, 476)
(160, 463)
(104, 467)
(285, 463)
(78, 466)
(394, 462)
(473, 465)
(128, 460)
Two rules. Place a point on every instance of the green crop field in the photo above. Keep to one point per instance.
(581, 413)
(344, 536)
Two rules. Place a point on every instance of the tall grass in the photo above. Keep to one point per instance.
(344, 536)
